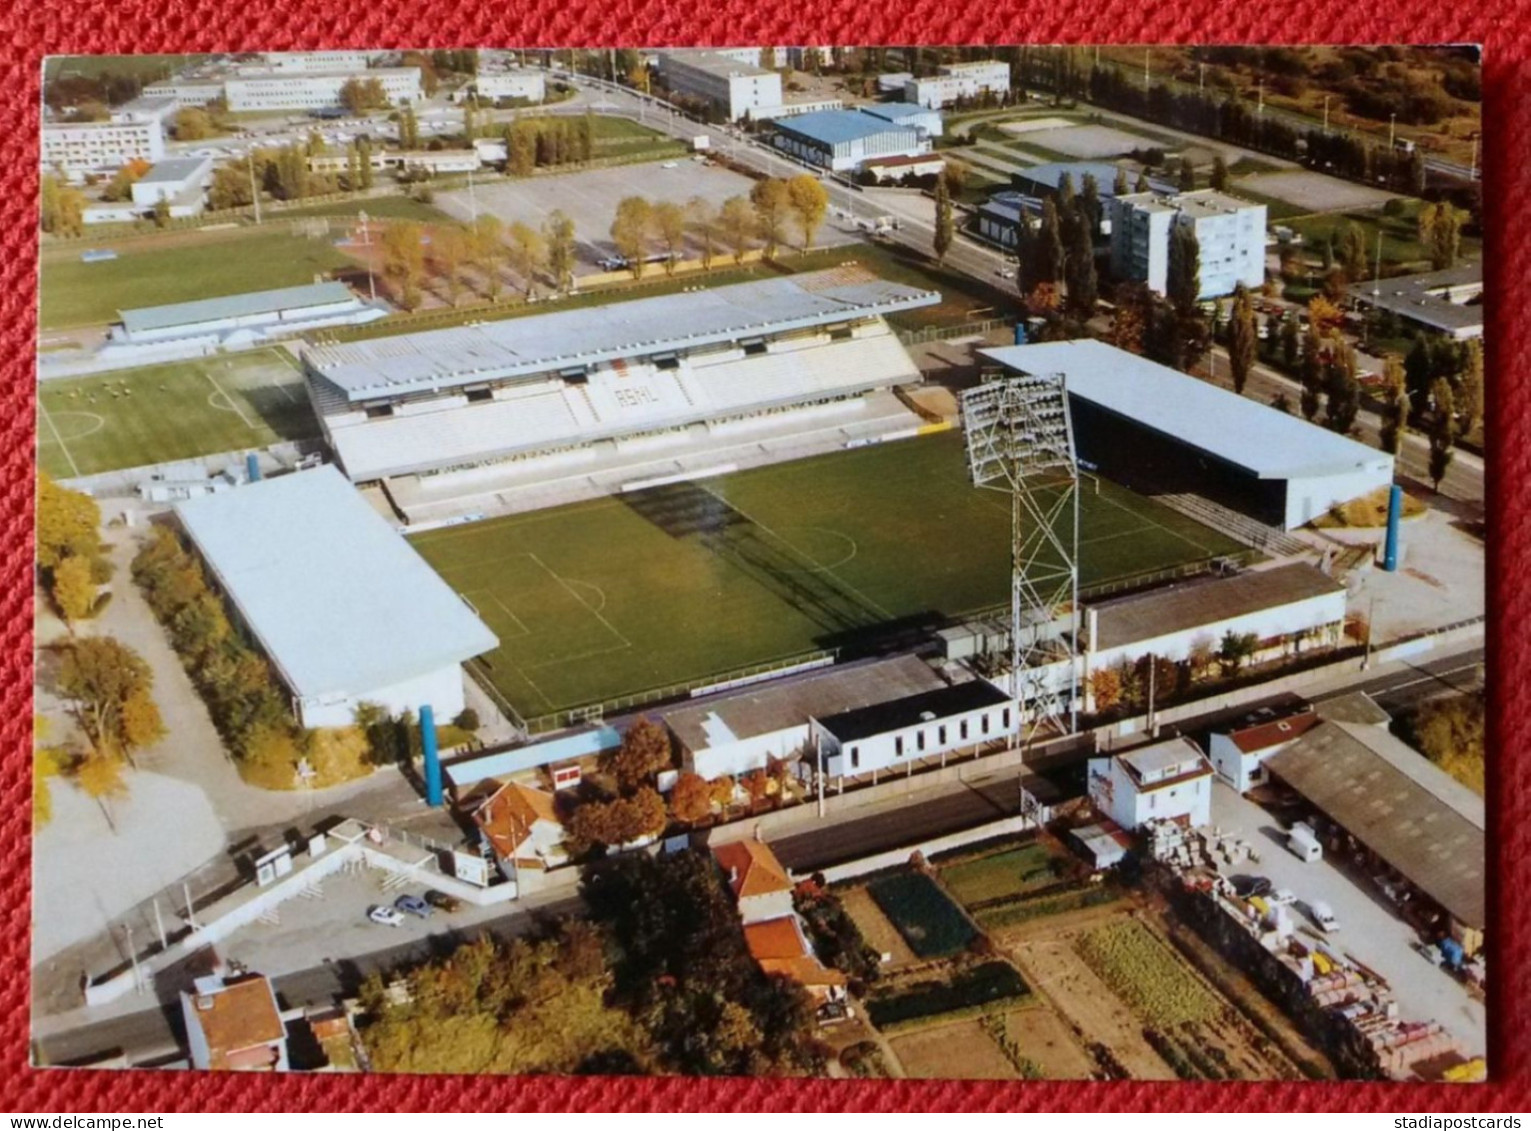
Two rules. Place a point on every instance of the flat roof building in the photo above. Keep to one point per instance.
(251, 316)
(1230, 234)
(738, 88)
(923, 118)
(75, 149)
(898, 732)
(955, 82)
(234, 1025)
(1141, 421)
(343, 607)
(1167, 781)
(181, 182)
(304, 91)
(841, 140)
(1449, 302)
(477, 394)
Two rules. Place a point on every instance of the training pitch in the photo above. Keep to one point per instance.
(161, 413)
(673, 585)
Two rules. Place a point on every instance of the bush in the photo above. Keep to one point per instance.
(467, 719)
(971, 991)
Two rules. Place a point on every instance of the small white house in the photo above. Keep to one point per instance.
(1168, 781)
(233, 1025)
(900, 732)
(1239, 754)
(520, 826)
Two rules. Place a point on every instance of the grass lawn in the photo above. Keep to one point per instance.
(618, 596)
(183, 267)
(168, 412)
(928, 920)
(999, 875)
(380, 207)
(1400, 235)
(147, 67)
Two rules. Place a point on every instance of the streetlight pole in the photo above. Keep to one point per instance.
(1326, 113)
(254, 190)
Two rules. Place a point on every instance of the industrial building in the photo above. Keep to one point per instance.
(75, 149)
(1448, 302)
(317, 62)
(741, 731)
(923, 118)
(244, 318)
(1230, 233)
(737, 88)
(842, 140)
(893, 170)
(198, 91)
(1143, 422)
(527, 85)
(1239, 753)
(1167, 781)
(303, 91)
(442, 399)
(959, 80)
(340, 604)
(1403, 812)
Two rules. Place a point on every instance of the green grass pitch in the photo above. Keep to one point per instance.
(617, 596)
(160, 413)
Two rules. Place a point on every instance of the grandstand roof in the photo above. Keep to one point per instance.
(1051, 174)
(434, 360)
(235, 306)
(1267, 443)
(340, 603)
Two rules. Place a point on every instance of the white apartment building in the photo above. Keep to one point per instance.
(959, 80)
(186, 92)
(316, 62)
(1230, 233)
(493, 86)
(737, 88)
(83, 147)
(304, 92)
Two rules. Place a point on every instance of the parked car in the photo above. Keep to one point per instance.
(413, 905)
(1323, 915)
(442, 901)
(385, 916)
(670, 165)
(1249, 887)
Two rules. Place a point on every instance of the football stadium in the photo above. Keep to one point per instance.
(647, 594)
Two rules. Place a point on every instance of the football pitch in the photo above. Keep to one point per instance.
(620, 596)
(159, 413)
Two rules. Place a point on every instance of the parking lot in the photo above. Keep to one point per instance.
(1369, 931)
(1088, 142)
(590, 199)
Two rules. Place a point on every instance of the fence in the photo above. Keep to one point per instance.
(944, 333)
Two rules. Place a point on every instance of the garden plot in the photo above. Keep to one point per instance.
(930, 923)
(953, 1052)
(875, 927)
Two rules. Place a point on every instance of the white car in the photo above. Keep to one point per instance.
(670, 165)
(385, 916)
(1323, 915)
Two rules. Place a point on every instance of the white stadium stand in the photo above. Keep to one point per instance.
(423, 403)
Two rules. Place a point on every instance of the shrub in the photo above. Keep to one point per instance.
(467, 719)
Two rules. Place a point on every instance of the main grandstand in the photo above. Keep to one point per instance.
(442, 400)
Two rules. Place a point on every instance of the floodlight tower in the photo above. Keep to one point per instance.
(1020, 440)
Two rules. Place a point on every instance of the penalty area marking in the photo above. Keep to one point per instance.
(54, 428)
(228, 404)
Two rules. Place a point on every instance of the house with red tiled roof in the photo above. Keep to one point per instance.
(520, 825)
(757, 879)
(781, 947)
(1238, 754)
(234, 1025)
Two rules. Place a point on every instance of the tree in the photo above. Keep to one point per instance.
(1470, 387)
(691, 799)
(643, 753)
(98, 675)
(1235, 649)
(1142, 184)
(669, 220)
(47, 763)
(409, 129)
(630, 232)
(1187, 175)
(945, 227)
(1105, 688)
(620, 821)
(1091, 210)
(63, 207)
(1312, 372)
(736, 222)
(558, 233)
(528, 255)
(1220, 173)
(1079, 268)
(1451, 732)
(1119, 185)
(1133, 303)
(358, 95)
(809, 201)
(100, 776)
(73, 589)
(771, 203)
(1242, 337)
(192, 123)
(364, 163)
(520, 149)
(404, 261)
(1395, 408)
(1291, 341)
(67, 524)
(141, 724)
(451, 248)
(1443, 431)
(489, 251)
(1182, 282)
(1343, 388)
(704, 222)
(1048, 247)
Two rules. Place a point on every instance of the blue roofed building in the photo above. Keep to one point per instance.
(922, 118)
(243, 318)
(840, 140)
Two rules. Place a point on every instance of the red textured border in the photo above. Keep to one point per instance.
(34, 28)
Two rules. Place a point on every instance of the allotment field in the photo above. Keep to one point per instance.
(161, 413)
(673, 585)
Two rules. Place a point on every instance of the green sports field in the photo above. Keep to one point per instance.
(159, 413)
(610, 598)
